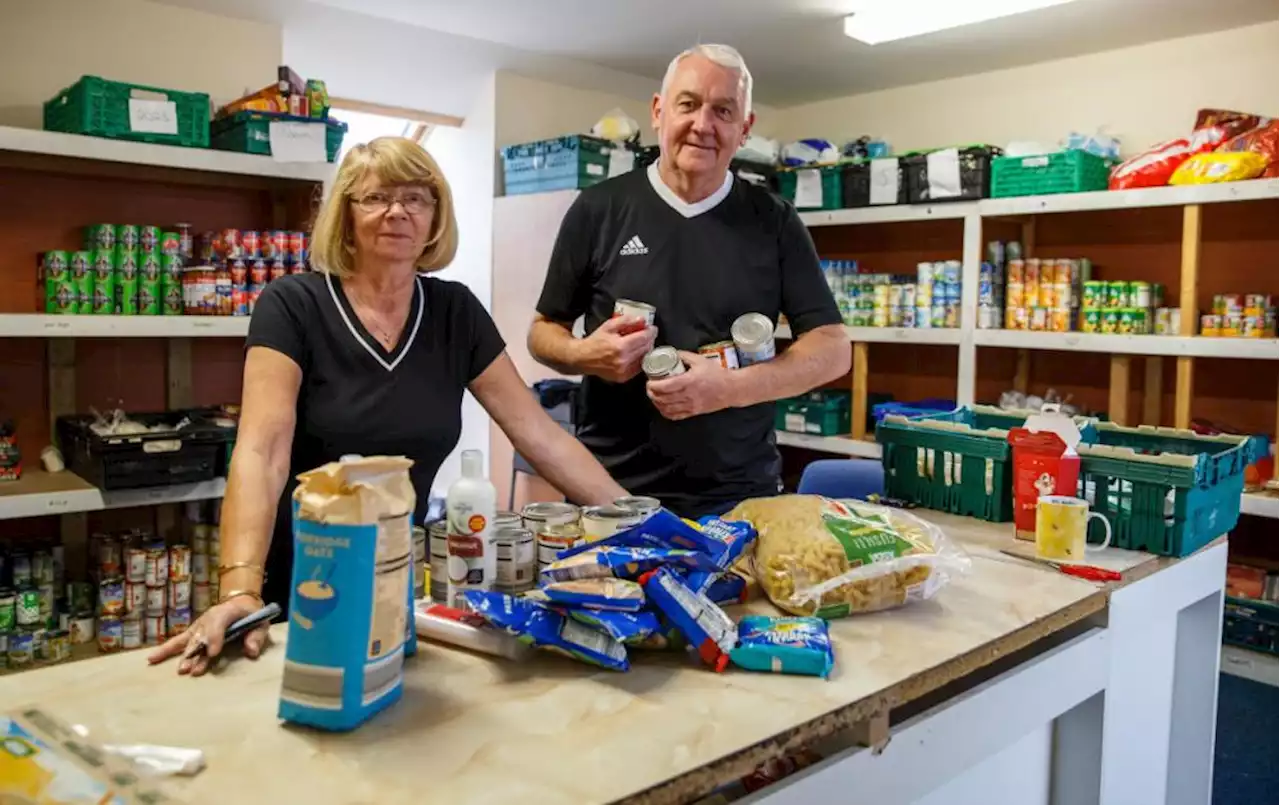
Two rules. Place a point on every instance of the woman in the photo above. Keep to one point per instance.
(365, 356)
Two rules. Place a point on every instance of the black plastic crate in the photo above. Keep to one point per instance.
(189, 446)
(975, 174)
(855, 185)
(756, 173)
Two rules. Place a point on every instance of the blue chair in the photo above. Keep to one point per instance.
(843, 478)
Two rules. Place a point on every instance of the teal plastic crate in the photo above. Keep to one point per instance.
(561, 163)
(818, 413)
(99, 107)
(1249, 624)
(249, 132)
(1060, 172)
(1165, 491)
(832, 186)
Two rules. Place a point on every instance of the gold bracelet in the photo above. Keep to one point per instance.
(227, 568)
(233, 593)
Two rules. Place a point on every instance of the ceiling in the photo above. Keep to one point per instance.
(796, 48)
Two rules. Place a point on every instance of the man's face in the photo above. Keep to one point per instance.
(700, 120)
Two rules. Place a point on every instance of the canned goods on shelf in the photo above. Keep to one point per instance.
(27, 607)
(1015, 271)
(179, 562)
(1232, 325)
(135, 564)
(201, 597)
(1140, 294)
(179, 619)
(21, 649)
(110, 633)
(1211, 324)
(1039, 319)
(157, 567)
(555, 538)
(1059, 320)
(1065, 270)
(131, 633)
(157, 598)
(1125, 321)
(515, 547)
(1163, 324)
(153, 629)
(111, 596)
(1091, 320)
(200, 567)
(8, 610)
(1117, 295)
(135, 597)
(180, 593)
(1110, 321)
(110, 556)
(82, 628)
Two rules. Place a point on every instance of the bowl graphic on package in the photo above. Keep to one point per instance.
(316, 600)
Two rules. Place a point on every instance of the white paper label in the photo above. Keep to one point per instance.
(297, 142)
(808, 189)
(595, 170)
(621, 160)
(943, 168)
(154, 117)
(884, 181)
(794, 423)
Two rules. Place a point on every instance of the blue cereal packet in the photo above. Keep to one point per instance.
(616, 561)
(727, 588)
(629, 628)
(610, 593)
(733, 536)
(535, 625)
(704, 625)
(796, 645)
(720, 541)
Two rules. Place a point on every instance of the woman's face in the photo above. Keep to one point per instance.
(391, 222)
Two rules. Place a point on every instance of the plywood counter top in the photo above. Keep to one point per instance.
(473, 729)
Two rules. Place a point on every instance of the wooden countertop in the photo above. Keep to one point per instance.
(474, 729)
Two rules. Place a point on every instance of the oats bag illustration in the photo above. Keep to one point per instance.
(344, 660)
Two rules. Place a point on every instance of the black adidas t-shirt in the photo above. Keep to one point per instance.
(357, 397)
(702, 266)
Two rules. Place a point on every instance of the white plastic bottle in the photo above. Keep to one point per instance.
(469, 507)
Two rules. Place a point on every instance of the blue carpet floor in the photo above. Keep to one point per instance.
(1244, 770)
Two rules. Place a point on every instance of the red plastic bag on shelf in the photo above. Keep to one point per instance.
(1232, 123)
(1264, 140)
(1153, 167)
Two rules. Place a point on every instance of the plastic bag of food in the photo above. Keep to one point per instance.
(630, 628)
(784, 645)
(537, 626)
(708, 631)
(1217, 167)
(817, 556)
(722, 542)
(1264, 140)
(609, 593)
(1154, 167)
(613, 561)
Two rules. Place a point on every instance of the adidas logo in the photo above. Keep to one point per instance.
(634, 246)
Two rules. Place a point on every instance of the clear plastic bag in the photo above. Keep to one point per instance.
(817, 556)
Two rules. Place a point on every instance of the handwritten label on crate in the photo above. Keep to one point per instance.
(297, 142)
(808, 189)
(884, 181)
(153, 117)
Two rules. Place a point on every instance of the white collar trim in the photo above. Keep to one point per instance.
(680, 205)
(417, 322)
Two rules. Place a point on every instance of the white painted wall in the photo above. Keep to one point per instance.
(466, 155)
(1141, 94)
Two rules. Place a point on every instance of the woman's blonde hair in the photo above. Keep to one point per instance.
(394, 161)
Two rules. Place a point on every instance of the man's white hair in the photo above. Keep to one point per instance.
(723, 55)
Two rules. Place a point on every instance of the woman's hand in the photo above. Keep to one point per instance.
(210, 628)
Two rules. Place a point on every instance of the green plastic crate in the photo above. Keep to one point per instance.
(1165, 491)
(249, 132)
(1060, 172)
(818, 413)
(562, 163)
(832, 186)
(99, 107)
(1249, 624)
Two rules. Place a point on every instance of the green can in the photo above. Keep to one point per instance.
(149, 266)
(1091, 320)
(27, 608)
(149, 297)
(104, 294)
(149, 238)
(1141, 321)
(1110, 320)
(8, 609)
(82, 279)
(171, 266)
(127, 263)
(127, 295)
(1157, 294)
(171, 297)
(55, 269)
(100, 236)
(1117, 295)
(127, 236)
(1125, 321)
(80, 596)
(1095, 294)
(61, 296)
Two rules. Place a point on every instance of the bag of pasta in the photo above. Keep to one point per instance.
(817, 556)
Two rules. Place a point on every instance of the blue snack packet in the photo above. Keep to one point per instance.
(629, 628)
(614, 594)
(616, 561)
(540, 627)
(798, 645)
(720, 541)
(704, 625)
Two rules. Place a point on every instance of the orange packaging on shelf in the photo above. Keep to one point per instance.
(1154, 167)
(1044, 463)
(1264, 140)
(1246, 581)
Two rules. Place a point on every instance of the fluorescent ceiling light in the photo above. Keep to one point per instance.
(887, 20)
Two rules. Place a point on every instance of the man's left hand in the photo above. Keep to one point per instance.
(704, 388)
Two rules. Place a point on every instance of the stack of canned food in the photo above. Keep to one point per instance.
(929, 299)
(529, 540)
(1234, 316)
(991, 283)
(144, 590)
(123, 269)
(1044, 295)
(1126, 308)
(31, 627)
(235, 265)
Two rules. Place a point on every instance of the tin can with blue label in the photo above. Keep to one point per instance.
(21, 649)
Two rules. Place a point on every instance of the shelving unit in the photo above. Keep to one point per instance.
(39, 325)
(39, 493)
(1193, 346)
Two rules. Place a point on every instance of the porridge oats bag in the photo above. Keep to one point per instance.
(831, 558)
(350, 595)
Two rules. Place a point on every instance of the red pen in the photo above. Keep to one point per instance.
(1088, 572)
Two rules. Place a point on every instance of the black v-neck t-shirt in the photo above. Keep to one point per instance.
(357, 397)
(749, 253)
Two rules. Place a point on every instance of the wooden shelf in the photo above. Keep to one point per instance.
(1260, 504)
(39, 493)
(841, 445)
(891, 335)
(1253, 190)
(101, 149)
(893, 213)
(1178, 346)
(39, 325)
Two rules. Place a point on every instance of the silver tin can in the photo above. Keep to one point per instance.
(635, 310)
(753, 336)
(641, 505)
(599, 522)
(517, 566)
(663, 362)
(536, 516)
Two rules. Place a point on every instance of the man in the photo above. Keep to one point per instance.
(703, 248)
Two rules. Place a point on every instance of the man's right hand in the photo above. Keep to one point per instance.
(614, 351)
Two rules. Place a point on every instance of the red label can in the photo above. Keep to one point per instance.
(257, 273)
(297, 246)
(254, 292)
(231, 245)
(275, 244)
(239, 271)
(239, 300)
(251, 243)
(278, 269)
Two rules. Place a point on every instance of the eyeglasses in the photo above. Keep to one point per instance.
(413, 202)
